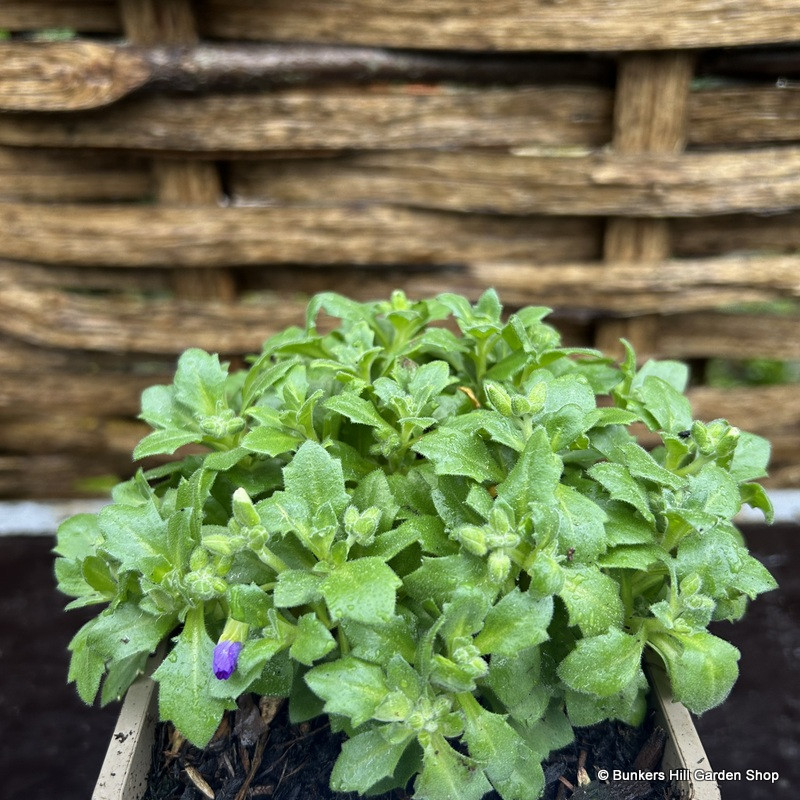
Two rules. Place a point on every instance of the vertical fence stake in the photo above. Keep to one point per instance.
(650, 111)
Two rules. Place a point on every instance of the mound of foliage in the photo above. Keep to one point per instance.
(443, 541)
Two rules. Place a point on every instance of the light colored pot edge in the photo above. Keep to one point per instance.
(684, 751)
(126, 766)
(123, 775)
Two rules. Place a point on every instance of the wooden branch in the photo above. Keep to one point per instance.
(58, 475)
(76, 75)
(508, 24)
(97, 395)
(52, 318)
(139, 236)
(72, 176)
(599, 184)
(735, 336)
(327, 118)
(587, 289)
(66, 76)
(392, 117)
(57, 432)
(87, 16)
(731, 116)
(739, 233)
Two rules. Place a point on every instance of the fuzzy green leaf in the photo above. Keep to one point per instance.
(592, 600)
(297, 587)
(447, 775)
(365, 760)
(200, 381)
(362, 590)
(185, 680)
(619, 483)
(136, 537)
(517, 622)
(357, 409)
(603, 665)
(349, 686)
(582, 524)
(313, 640)
(271, 441)
(534, 477)
(165, 442)
(701, 667)
(314, 476)
(453, 452)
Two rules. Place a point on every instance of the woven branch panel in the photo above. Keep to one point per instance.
(178, 174)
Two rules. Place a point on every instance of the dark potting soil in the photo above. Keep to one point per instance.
(249, 758)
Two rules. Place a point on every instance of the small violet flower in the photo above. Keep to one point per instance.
(226, 654)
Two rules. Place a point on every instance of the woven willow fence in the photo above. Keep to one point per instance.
(178, 174)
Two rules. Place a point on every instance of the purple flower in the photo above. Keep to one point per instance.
(226, 654)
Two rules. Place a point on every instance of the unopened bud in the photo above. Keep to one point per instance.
(244, 511)
(473, 539)
(499, 566)
(499, 398)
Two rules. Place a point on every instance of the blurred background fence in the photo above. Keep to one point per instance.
(177, 173)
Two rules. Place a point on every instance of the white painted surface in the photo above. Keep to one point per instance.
(41, 518)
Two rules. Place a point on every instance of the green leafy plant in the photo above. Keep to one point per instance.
(442, 541)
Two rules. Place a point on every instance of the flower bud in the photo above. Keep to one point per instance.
(198, 559)
(499, 398)
(520, 405)
(473, 539)
(213, 425)
(229, 646)
(234, 426)
(537, 397)
(701, 437)
(362, 527)
(499, 566)
(200, 585)
(226, 656)
(218, 545)
(243, 510)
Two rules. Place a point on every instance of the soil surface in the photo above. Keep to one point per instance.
(52, 745)
(255, 754)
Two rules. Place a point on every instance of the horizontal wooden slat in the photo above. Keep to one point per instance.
(87, 16)
(66, 76)
(99, 395)
(330, 118)
(57, 475)
(69, 175)
(535, 181)
(58, 432)
(731, 116)
(733, 336)
(21, 357)
(133, 236)
(54, 318)
(78, 74)
(401, 117)
(737, 233)
(767, 408)
(509, 24)
(663, 288)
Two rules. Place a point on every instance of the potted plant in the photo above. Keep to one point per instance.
(444, 542)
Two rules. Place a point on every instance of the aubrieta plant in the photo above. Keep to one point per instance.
(444, 542)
